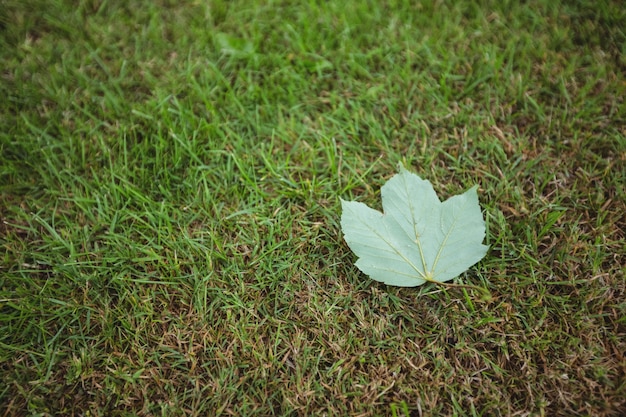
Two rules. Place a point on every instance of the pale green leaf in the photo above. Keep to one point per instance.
(231, 45)
(418, 238)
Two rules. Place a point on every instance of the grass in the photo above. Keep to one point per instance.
(170, 182)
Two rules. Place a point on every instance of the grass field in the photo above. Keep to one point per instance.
(170, 184)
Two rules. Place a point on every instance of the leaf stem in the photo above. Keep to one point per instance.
(485, 292)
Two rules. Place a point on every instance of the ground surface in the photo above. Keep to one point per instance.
(170, 184)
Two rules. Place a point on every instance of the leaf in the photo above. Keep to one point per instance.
(418, 238)
(230, 45)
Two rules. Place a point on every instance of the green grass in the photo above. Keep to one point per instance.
(170, 184)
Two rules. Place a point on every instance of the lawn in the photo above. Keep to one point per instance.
(171, 176)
